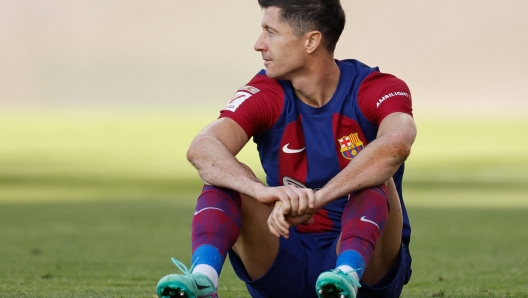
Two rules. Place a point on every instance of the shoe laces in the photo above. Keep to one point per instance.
(182, 267)
(348, 277)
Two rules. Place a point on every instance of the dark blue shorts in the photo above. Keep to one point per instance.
(303, 257)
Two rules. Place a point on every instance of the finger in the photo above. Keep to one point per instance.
(272, 229)
(279, 222)
(308, 195)
(293, 196)
(303, 201)
(311, 198)
(275, 220)
(271, 222)
(281, 225)
(306, 200)
(286, 206)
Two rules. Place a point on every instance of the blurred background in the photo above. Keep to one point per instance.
(99, 101)
(181, 54)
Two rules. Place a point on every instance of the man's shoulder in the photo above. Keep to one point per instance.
(381, 94)
(359, 66)
(373, 72)
(266, 89)
(267, 83)
(257, 105)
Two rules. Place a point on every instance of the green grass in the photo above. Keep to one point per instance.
(95, 204)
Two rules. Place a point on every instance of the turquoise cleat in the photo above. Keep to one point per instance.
(336, 284)
(185, 285)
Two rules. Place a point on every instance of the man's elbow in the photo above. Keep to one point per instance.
(399, 148)
(193, 152)
(404, 151)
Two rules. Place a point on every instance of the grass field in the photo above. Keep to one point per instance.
(94, 204)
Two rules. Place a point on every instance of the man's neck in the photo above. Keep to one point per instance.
(317, 85)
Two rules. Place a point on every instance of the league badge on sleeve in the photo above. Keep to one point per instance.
(351, 145)
(241, 96)
(236, 101)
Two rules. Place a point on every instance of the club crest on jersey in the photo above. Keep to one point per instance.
(351, 145)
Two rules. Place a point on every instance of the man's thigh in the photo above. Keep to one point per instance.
(256, 247)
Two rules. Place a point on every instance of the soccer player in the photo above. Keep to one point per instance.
(332, 137)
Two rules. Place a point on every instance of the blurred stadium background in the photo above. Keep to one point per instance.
(86, 54)
(100, 99)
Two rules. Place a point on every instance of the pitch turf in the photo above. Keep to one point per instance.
(95, 204)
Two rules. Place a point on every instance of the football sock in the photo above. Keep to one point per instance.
(215, 229)
(363, 220)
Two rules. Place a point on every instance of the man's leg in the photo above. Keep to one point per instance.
(241, 225)
(270, 266)
(370, 241)
(256, 247)
(215, 228)
(389, 267)
(388, 247)
(223, 219)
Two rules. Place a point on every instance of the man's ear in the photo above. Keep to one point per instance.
(313, 41)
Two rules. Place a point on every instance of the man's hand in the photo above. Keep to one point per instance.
(295, 201)
(279, 223)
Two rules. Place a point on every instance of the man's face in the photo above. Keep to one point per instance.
(283, 52)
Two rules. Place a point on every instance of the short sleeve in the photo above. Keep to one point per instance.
(256, 106)
(382, 94)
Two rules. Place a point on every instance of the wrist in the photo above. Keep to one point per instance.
(320, 199)
(256, 187)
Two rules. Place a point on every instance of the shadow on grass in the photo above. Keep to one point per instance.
(71, 181)
(184, 184)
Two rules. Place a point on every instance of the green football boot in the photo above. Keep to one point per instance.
(336, 284)
(185, 285)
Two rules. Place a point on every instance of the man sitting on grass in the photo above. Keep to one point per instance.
(332, 137)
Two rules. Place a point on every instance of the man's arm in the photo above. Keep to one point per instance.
(376, 163)
(213, 152)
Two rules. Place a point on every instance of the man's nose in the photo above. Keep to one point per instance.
(260, 45)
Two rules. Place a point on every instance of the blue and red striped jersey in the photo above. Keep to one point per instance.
(307, 146)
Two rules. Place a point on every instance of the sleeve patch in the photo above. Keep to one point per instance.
(392, 94)
(237, 100)
(241, 96)
(256, 106)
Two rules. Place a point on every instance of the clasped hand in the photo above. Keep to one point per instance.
(291, 206)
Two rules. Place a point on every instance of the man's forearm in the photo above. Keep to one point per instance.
(373, 166)
(217, 166)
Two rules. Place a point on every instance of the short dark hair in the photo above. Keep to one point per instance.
(325, 16)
